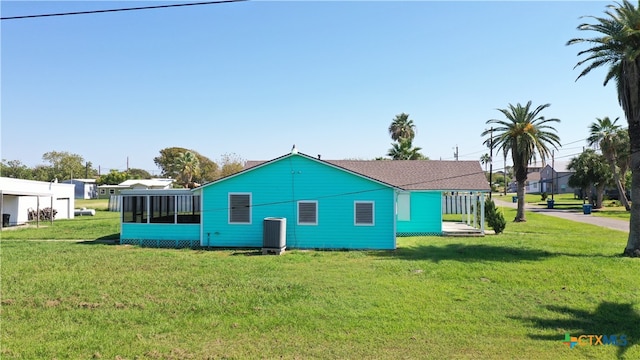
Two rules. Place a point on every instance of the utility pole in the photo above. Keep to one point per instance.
(455, 154)
(127, 164)
(552, 171)
(491, 163)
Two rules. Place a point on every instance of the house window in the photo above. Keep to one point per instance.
(307, 213)
(364, 213)
(103, 191)
(188, 209)
(134, 209)
(112, 191)
(240, 208)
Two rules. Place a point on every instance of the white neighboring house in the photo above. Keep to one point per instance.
(148, 184)
(533, 185)
(106, 191)
(85, 188)
(19, 196)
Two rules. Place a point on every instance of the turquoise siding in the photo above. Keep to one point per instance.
(136, 231)
(276, 188)
(426, 214)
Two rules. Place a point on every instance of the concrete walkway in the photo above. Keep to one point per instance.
(615, 224)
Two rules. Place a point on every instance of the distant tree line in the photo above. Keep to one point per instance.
(188, 167)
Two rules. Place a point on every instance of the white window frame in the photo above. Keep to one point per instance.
(250, 208)
(112, 191)
(373, 212)
(298, 212)
(103, 191)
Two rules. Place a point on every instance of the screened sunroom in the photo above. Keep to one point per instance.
(170, 217)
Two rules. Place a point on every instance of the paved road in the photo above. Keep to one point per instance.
(615, 224)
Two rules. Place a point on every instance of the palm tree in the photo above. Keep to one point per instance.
(608, 135)
(618, 47)
(188, 165)
(404, 150)
(525, 134)
(402, 128)
(485, 159)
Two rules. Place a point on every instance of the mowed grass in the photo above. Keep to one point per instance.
(511, 296)
(98, 204)
(616, 213)
(104, 225)
(610, 208)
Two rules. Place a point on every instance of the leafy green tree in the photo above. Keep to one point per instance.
(166, 162)
(404, 150)
(188, 165)
(15, 169)
(139, 174)
(590, 170)
(610, 136)
(42, 173)
(114, 177)
(524, 133)
(402, 128)
(617, 46)
(64, 165)
(230, 164)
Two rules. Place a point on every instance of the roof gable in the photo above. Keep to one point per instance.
(253, 165)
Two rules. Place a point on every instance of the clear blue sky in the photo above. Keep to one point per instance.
(253, 78)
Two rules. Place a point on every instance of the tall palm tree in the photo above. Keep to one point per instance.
(404, 150)
(485, 159)
(618, 47)
(526, 135)
(188, 165)
(608, 135)
(402, 128)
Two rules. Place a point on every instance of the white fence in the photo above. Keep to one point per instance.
(115, 202)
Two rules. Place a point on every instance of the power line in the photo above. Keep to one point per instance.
(119, 10)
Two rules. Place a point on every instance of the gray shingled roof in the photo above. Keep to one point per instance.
(415, 174)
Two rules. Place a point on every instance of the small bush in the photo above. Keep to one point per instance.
(544, 196)
(494, 218)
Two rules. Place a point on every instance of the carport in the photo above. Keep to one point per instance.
(9, 205)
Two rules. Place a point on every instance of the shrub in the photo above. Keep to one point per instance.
(544, 196)
(494, 218)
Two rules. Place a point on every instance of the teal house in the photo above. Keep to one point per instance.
(324, 204)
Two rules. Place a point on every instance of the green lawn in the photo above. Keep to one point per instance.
(510, 296)
(98, 204)
(617, 213)
(104, 225)
(567, 202)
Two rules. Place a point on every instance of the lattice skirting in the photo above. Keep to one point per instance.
(169, 244)
(404, 234)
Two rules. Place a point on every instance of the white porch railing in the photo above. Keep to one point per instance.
(465, 204)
